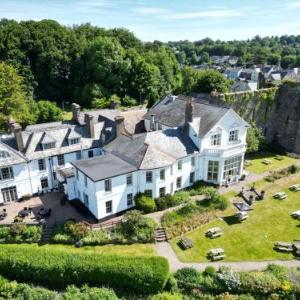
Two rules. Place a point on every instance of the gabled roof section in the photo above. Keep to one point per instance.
(14, 156)
(47, 138)
(171, 113)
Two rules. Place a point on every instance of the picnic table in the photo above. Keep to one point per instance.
(266, 161)
(284, 246)
(216, 254)
(280, 195)
(295, 187)
(242, 215)
(185, 243)
(278, 157)
(214, 232)
(296, 214)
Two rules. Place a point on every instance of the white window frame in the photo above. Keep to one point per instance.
(149, 174)
(42, 164)
(215, 139)
(162, 174)
(110, 202)
(233, 136)
(129, 180)
(129, 199)
(9, 173)
(107, 185)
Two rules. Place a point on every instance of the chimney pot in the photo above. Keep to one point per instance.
(75, 112)
(90, 125)
(17, 130)
(120, 125)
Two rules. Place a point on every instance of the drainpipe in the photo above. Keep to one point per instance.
(28, 170)
(51, 171)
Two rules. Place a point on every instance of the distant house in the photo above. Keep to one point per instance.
(233, 73)
(241, 86)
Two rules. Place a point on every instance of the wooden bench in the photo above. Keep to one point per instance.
(218, 257)
(295, 188)
(284, 246)
(280, 195)
(185, 243)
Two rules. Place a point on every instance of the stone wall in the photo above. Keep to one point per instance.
(276, 111)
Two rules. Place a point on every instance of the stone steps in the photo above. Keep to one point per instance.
(47, 233)
(160, 235)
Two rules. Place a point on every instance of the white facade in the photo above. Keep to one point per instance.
(30, 178)
(219, 160)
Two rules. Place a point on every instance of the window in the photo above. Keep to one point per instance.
(215, 140)
(108, 206)
(213, 170)
(179, 165)
(162, 174)
(86, 199)
(107, 184)
(232, 167)
(4, 154)
(9, 194)
(162, 192)
(74, 141)
(171, 188)
(233, 135)
(44, 183)
(90, 153)
(60, 159)
(77, 174)
(129, 179)
(78, 155)
(193, 161)
(148, 193)
(192, 177)
(42, 164)
(149, 176)
(171, 170)
(6, 173)
(85, 181)
(54, 175)
(129, 199)
(178, 182)
(47, 146)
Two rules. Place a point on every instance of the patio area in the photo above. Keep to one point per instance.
(59, 213)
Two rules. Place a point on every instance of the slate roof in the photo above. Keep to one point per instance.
(104, 166)
(171, 113)
(14, 157)
(60, 132)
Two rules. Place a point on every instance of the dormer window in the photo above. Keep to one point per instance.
(47, 146)
(4, 154)
(233, 135)
(215, 140)
(73, 141)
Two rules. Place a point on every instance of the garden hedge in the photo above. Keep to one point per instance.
(57, 269)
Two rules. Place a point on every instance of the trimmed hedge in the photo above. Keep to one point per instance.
(57, 269)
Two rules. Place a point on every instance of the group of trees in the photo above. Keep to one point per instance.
(283, 50)
(89, 65)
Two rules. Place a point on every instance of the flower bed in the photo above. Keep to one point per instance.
(20, 233)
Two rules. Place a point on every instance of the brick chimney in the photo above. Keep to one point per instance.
(120, 125)
(152, 123)
(90, 125)
(17, 131)
(75, 112)
(189, 111)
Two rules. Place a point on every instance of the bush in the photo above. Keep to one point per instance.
(221, 203)
(167, 296)
(210, 271)
(57, 269)
(189, 275)
(76, 230)
(86, 292)
(138, 228)
(167, 201)
(144, 203)
(62, 238)
(20, 233)
(229, 280)
(97, 237)
(14, 290)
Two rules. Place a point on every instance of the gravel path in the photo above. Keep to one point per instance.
(164, 249)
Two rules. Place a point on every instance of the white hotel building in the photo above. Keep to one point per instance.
(177, 142)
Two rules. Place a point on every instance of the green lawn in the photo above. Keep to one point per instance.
(127, 250)
(270, 221)
(257, 166)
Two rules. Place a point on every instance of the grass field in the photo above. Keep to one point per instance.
(270, 221)
(257, 166)
(127, 250)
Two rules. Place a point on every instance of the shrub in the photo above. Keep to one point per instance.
(171, 284)
(62, 238)
(97, 237)
(86, 292)
(32, 234)
(189, 275)
(57, 269)
(144, 203)
(136, 227)
(17, 229)
(76, 230)
(210, 271)
(293, 169)
(172, 200)
(167, 296)
(228, 279)
(221, 203)
(280, 272)
(4, 233)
